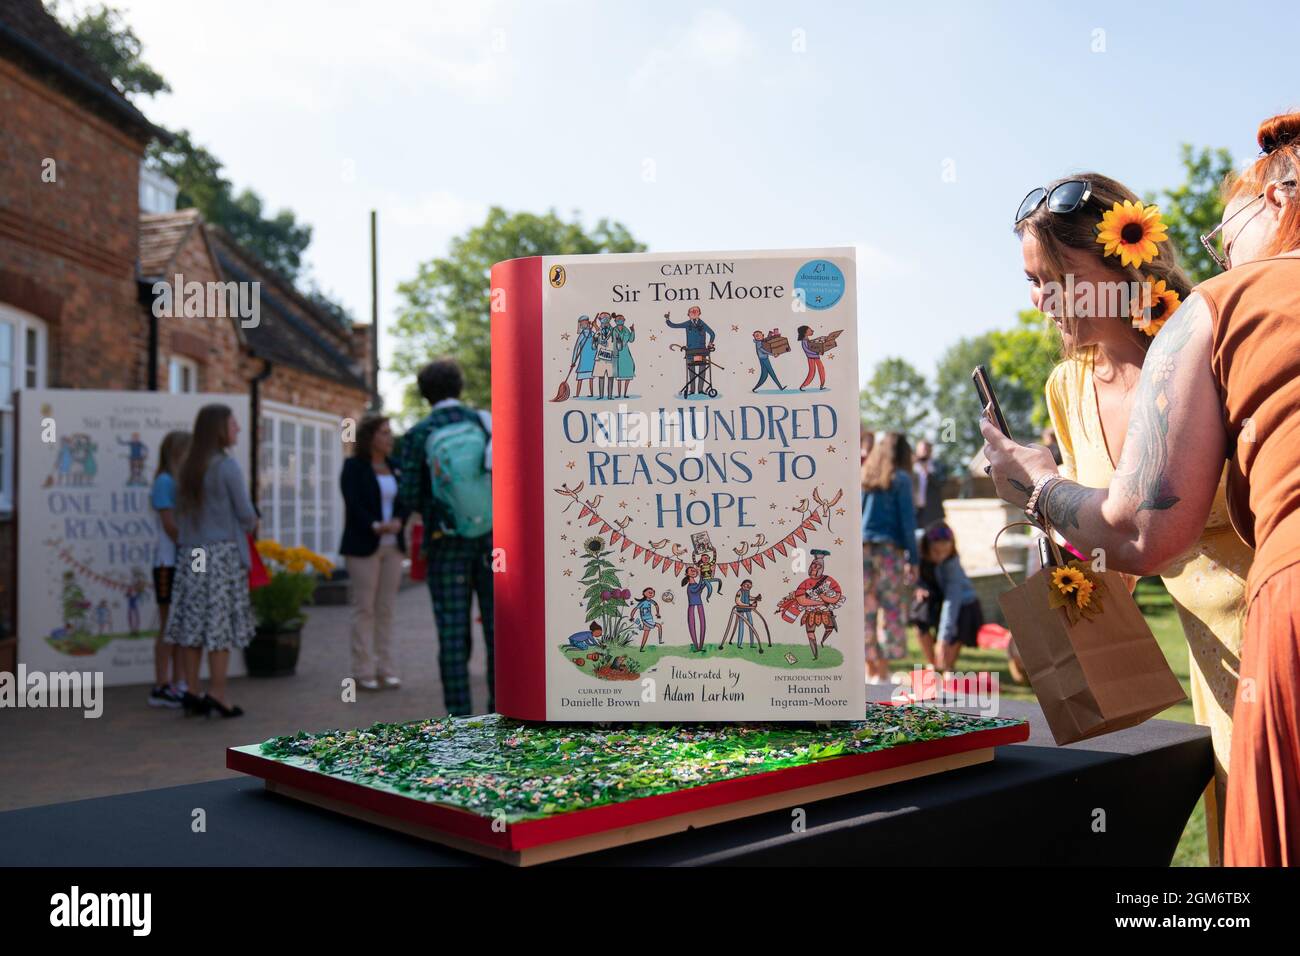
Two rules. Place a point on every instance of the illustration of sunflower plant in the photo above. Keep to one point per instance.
(605, 595)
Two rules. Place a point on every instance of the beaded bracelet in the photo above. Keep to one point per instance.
(1042, 482)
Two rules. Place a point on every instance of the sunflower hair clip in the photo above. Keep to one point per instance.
(1155, 303)
(1131, 231)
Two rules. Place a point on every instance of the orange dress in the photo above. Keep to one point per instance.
(1255, 357)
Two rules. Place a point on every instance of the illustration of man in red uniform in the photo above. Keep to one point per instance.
(817, 596)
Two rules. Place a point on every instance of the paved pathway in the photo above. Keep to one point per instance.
(51, 756)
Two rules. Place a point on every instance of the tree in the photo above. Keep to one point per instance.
(896, 398)
(445, 307)
(958, 407)
(1194, 208)
(115, 48)
(280, 240)
(1024, 357)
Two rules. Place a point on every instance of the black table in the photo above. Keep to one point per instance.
(1122, 799)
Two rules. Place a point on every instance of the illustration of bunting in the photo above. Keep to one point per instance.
(663, 562)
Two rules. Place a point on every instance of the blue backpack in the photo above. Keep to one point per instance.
(459, 482)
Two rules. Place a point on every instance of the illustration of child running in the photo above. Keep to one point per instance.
(646, 613)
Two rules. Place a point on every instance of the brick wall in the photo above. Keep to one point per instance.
(68, 255)
(303, 390)
(212, 342)
(68, 247)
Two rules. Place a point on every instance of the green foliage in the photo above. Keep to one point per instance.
(895, 398)
(278, 605)
(1195, 207)
(114, 47)
(493, 766)
(1024, 357)
(445, 308)
(958, 407)
(279, 240)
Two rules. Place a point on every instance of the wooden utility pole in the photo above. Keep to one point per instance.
(376, 403)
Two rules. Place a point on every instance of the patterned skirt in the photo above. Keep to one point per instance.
(884, 588)
(210, 608)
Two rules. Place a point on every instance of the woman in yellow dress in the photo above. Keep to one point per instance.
(1108, 296)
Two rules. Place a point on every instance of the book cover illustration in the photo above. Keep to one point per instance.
(701, 513)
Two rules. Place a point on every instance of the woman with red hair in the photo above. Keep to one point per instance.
(1221, 380)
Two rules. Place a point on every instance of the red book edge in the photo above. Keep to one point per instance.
(518, 526)
(532, 833)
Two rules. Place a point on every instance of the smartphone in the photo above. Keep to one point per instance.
(1046, 558)
(984, 385)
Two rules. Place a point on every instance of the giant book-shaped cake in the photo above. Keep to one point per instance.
(676, 487)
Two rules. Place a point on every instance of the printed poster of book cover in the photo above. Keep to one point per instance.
(703, 487)
(88, 538)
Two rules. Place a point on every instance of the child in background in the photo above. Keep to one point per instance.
(167, 691)
(959, 615)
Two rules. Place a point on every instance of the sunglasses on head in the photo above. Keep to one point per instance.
(1062, 199)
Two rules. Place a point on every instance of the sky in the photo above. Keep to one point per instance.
(908, 130)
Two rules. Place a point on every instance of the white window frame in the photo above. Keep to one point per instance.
(326, 426)
(21, 324)
(177, 366)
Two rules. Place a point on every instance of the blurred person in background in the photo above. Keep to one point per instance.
(373, 547)
(889, 552)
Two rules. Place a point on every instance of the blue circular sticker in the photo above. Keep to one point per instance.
(820, 282)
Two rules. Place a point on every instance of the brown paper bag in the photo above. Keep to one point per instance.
(1095, 675)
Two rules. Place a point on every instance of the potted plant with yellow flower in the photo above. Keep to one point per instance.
(277, 605)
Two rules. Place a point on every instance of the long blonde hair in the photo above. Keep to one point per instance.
(891, 453)
(171, 452)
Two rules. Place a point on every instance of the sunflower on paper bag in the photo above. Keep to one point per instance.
(1131, 230)
(1075, 587)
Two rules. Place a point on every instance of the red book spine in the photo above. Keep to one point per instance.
(518, 489)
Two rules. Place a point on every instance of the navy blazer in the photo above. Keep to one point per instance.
(363, 505)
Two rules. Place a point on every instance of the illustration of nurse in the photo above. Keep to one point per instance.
(584, 355)
(624, 367)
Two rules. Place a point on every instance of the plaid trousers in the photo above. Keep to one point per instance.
(458, 568)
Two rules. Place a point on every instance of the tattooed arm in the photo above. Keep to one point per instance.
(1159, 499)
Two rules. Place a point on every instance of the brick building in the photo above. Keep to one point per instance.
(78, 266)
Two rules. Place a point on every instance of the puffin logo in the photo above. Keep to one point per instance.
(557, 276)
